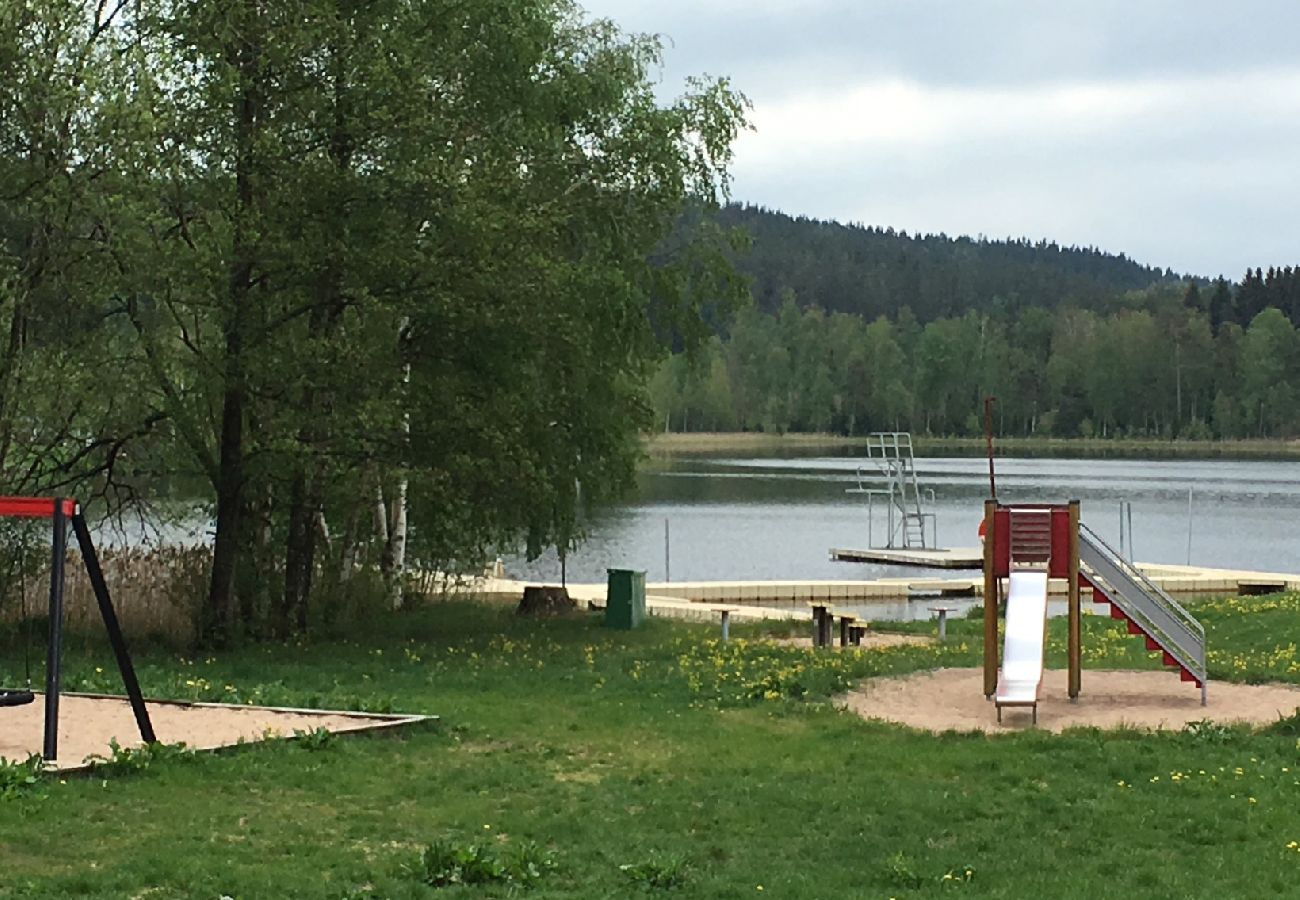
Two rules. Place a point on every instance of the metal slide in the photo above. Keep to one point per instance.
(1022, 649)
(1148, 609)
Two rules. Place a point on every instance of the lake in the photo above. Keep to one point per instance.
(777, 518)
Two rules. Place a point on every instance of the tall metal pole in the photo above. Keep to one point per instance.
(54, 652)
(1132, 554)
(114, 628)
(988, 439)
(1189, 526)
(668, 572)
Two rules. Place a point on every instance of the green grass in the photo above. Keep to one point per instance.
(659, 762)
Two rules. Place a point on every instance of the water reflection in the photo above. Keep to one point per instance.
(776, 518)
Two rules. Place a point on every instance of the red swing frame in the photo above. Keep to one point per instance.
(61, 511)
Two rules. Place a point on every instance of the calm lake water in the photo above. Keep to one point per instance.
(768, 518)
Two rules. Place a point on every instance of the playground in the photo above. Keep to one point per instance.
(89, 723)
(694, 751)
(67, 731)
(950, 700)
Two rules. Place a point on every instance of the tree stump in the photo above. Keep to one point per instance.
(545, 600)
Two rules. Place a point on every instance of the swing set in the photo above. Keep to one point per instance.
(62, 512)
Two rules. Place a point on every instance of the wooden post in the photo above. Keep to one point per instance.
(1075, 613)
(990, 602)
(821, 626)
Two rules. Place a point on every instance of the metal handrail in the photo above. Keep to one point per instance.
(1154, 590)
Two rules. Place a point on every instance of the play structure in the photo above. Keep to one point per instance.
(908, 525)
(62, 512)
(1028, 544)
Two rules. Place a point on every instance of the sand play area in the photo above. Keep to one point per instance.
(87, 723)
(954, 699)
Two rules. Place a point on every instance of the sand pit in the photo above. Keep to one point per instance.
(88, 722)
(954, 699)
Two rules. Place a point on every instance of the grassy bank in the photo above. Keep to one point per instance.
(660, 445)
(612, 764)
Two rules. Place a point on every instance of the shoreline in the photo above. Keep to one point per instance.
(659, 446)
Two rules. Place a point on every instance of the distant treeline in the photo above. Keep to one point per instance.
(877, 271)
(1174, 360)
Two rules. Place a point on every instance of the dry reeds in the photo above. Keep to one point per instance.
(156, 591)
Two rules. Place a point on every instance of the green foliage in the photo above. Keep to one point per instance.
(1204, 731)
(19, 778)
(1146, 368)
(134, 760)
(316, 739)
(658, 873)
(901, 872)
(445, 863)
(411, 259)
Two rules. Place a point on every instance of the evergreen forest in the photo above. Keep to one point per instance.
(857, 329)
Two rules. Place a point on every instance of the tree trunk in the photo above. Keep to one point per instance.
(230, 485)
(396, 555)
(230, 465)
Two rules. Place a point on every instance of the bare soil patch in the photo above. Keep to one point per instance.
(953, 699)
(87, 724)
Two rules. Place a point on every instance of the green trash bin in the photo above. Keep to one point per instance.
(625, 599)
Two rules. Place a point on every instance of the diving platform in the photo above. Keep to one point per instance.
(931, 558)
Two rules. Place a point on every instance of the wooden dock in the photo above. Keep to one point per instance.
(705, 600)
(936, 558)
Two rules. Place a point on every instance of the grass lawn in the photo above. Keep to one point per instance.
(660, 762)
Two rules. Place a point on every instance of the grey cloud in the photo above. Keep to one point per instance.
(768, 47)
(1204, 181)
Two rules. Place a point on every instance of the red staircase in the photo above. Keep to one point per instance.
(1144, 608)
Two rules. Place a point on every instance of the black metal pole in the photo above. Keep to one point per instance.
(54, 652)
(91, 559)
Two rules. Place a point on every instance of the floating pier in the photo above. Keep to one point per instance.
(932, 558)
(705, 600)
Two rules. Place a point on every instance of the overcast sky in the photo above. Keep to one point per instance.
(1165, 130)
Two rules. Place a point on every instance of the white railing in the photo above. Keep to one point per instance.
(1166, 621)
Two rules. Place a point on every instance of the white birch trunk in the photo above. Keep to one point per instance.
(397, 529)
(381, 515)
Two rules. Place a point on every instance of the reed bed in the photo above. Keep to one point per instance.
(156, 591)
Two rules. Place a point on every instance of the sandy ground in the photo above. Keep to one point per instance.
(869, 640)
(86, 725)
(954, 699)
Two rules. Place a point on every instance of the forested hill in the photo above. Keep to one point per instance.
(877, 271)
